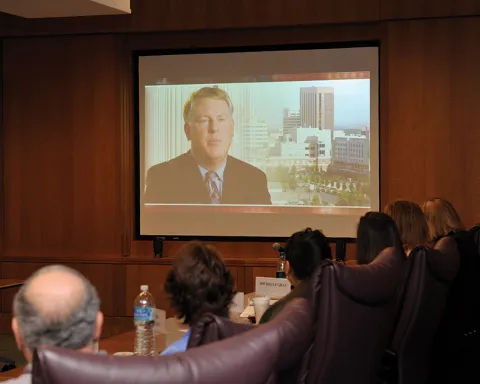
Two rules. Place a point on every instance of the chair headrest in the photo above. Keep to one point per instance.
(443, 266)
(371, 284)
(248, 358)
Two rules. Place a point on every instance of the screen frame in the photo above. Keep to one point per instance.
(135, 56)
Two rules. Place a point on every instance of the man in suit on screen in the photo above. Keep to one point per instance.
(207, 174)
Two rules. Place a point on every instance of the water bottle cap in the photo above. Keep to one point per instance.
(144, 288)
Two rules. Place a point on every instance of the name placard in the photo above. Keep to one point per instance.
(272, 287)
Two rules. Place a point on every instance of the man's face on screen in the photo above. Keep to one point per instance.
(210, 130)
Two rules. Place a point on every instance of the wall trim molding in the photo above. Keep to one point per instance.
(127, 181)
(98, 259)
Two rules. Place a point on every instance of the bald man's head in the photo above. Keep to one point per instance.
(56, 306)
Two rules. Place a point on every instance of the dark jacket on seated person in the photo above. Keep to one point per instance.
(302, 290)
(304, 252)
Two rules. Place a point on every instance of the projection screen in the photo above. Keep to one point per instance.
(257, 144)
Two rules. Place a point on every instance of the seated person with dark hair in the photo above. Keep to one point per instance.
(376, 232)
(198, 283)
(304, 251)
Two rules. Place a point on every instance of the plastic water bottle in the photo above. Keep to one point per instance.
(144, 320)
(280, 273)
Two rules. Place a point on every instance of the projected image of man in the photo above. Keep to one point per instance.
(206, 174)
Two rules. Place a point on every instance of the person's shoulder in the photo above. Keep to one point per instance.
(178, 346)
(170, 165)
(272, 311)
(302, 290)
(241, 166)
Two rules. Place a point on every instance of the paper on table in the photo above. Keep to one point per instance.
(250, 310)
(237, 303)
(160, 319)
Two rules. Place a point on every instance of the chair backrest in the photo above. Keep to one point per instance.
(475, 233)
(355, 308)
(463, 309)
(211, 328)
(424, 297)
(249, 358)
(456, 353)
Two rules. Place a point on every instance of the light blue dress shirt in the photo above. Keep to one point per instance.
(220, 171)
(178, 346)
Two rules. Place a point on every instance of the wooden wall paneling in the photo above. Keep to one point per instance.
(61, 142)
(5, 323)
(432, 106)
(411, 9)
(178, 15)
(383, 100)
(252, 272)
(155, 276)
(250, 252)
(153, 15)
(109, 280)
(234, 273)
(351, 252)
(143, 250)
(240, 279)
(2, 209)
(11, 25)
(127, 144)
(113, 326)
(317, 34)
(152, 275)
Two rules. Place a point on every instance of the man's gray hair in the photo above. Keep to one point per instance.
(75, 331)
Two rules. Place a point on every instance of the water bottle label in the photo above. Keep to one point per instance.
(144, 314)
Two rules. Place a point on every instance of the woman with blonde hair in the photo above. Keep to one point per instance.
(442, 218)
(411, 223)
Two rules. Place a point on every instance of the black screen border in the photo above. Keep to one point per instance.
(136, 54)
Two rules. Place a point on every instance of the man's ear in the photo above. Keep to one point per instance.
(186, 128)
(98, 326)
(16, 333)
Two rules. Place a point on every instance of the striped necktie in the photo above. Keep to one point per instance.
(212, 187)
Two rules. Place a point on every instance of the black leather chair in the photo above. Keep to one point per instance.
(475, 233)
(355, 315)
(456, 349)
(6, 364)
(213, 328)
(429, 274)
(252, 357)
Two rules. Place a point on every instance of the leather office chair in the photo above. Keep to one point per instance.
(355, 315)
(7, 364)
(424, 297)
(252, 357)
(213, 328)
(475, 233)
(456, 352)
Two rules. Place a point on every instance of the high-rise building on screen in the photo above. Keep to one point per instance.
(317, 107)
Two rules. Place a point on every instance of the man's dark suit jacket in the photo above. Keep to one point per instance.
(179, 181)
